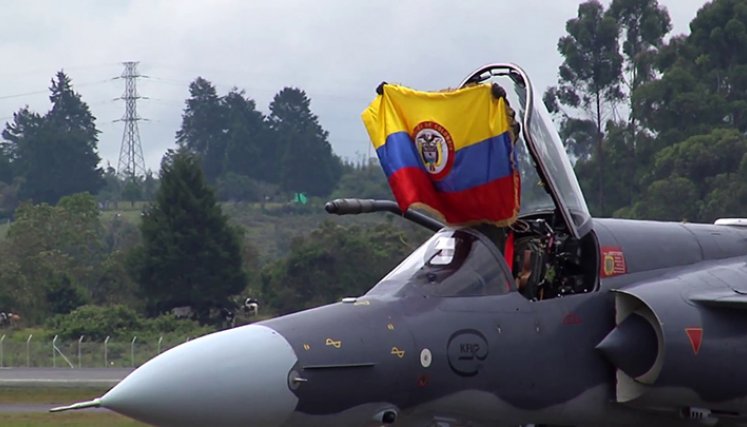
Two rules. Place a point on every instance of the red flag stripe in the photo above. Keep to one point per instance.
(494, 201)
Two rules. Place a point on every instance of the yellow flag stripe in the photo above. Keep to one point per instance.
(462, 112)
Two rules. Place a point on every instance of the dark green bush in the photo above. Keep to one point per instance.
(98, 322)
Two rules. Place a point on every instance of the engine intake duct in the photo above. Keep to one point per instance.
(632, 346)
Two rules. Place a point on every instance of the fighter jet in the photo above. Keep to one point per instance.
(589, 322)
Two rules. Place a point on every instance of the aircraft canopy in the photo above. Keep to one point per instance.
(547, 178)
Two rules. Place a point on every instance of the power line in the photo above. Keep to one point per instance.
(19, 95)
(131, 162)
(39, 92)
(13, 72)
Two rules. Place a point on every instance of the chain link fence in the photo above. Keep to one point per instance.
(58, 353)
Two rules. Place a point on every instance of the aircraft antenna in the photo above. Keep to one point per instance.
(131, 163)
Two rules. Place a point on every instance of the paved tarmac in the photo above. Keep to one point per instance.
(37, 408)
(56, 377)
(62, 377)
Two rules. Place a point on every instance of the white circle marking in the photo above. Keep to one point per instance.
(426, 358)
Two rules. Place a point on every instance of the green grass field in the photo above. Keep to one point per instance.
(57, 396)
(77, 419)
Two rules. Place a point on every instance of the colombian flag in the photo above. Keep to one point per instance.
(449, 152)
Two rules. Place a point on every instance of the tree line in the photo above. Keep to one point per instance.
(58, 263)
(45, 157)
(62, 256)
(656, 126)
(245, 154)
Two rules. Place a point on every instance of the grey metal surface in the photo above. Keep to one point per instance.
(233, 377)
(62, 377)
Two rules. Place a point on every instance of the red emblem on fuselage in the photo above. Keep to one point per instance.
(613, 261)
(696, 338)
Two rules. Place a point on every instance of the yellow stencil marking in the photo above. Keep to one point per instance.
(397, 352)
(332, 343)
(362, 302)
(306, 347)
(390, 326)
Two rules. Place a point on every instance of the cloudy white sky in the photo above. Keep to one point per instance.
(336, 50)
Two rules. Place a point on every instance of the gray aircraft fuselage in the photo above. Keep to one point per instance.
(560, 319)
(504, 359)
(405, 356)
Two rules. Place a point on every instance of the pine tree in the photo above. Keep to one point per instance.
(203, 125)
(6, 170)
(190, 254)
(307, 163)
(247, 149)
(55, 154)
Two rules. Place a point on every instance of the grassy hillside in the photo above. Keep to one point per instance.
(272, 230)
(269, 228)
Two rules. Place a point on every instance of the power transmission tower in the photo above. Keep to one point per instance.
(131, 163)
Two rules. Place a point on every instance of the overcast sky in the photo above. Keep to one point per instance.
(337, 51)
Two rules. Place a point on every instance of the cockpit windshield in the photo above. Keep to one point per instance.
(452, 263)
(548, 180)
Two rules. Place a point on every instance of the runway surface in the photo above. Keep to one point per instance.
(62, 377)
(26, 408)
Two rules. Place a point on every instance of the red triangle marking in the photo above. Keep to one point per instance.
(696, 338)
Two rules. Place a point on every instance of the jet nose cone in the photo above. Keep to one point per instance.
(237, 377)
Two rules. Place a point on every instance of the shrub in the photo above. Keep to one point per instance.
(118, 321)
(97, 322)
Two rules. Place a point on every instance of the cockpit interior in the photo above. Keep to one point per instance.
(548, 262)
(531, 258)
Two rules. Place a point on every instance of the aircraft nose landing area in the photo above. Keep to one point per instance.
(187, 385)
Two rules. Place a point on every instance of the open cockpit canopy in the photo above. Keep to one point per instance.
(547, 179)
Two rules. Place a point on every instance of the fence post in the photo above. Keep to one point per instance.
(28, 351)
(106, 352)
(2, 355)
(160, 340)
(132, 351)
(80, 341)
(54, 351)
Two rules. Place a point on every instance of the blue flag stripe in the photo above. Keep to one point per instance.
(479, 164)
(474, 165)
(398, 152)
